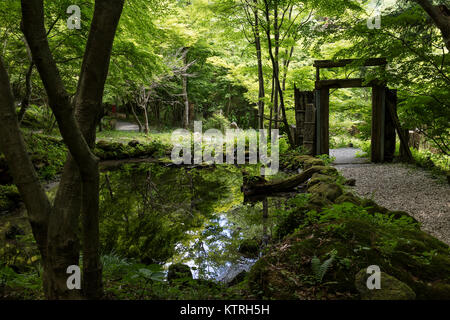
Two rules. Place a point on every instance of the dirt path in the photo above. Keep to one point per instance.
(404, 188)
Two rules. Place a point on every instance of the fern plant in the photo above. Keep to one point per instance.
(320, 269)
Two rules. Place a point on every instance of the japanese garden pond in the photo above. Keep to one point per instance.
(196, 216)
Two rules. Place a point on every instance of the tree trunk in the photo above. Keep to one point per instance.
(146, 127)
(133, 111)
(261, 93)
(271, 107)
(265, 220)
(79, 187)
(26, 99)
(276, 65)
(191, 114)
(185, 93)
(21, 167)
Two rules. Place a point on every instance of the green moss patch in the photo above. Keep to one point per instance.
(118, 151)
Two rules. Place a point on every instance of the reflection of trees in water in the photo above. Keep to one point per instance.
(158, 214)
(148, 209)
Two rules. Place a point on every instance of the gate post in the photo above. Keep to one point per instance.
(389, 130)
(323, 121)
(378, 123)
(309, 142)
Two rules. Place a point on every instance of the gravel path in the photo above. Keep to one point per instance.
(405, 188)
(347, 155)
(126, 126)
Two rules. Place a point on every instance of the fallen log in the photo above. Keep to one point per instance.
(256, 186)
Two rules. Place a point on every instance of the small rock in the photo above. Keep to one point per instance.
(350, 182)
(391, 288)
(179, 271)
(249, 248)
(134, 143)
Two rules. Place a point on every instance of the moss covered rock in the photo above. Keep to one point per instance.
(330, 191)
(348, 197)
(293, 161)
(358, 239)
(312, 162)
(318, 202)
(317, 178)
(390, 288)
(328, 171)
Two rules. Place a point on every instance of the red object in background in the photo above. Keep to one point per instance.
(114, 109)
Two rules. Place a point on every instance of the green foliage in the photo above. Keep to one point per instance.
(346, 209)
(153, 273)
(327, 160)
(320, 268)
(291, 217)
(48, 154)
(438, 164)
(217, 121)
(419, 66)
(284, 145)
(19, 285)
(9, 197)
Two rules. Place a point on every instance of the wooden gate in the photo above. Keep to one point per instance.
(313, 113)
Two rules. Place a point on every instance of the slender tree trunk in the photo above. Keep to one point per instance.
(286, 64)
(136, 118)
(271, 107)
(191, 114)
(265, 218)
(26, 99)
(157, 114)
(146, 127)
(261, 93)
(185, 93)
(28, 84)
(276, 65)
(228, 113)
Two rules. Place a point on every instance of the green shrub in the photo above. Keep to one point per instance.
(216, 121)
(9, 197)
